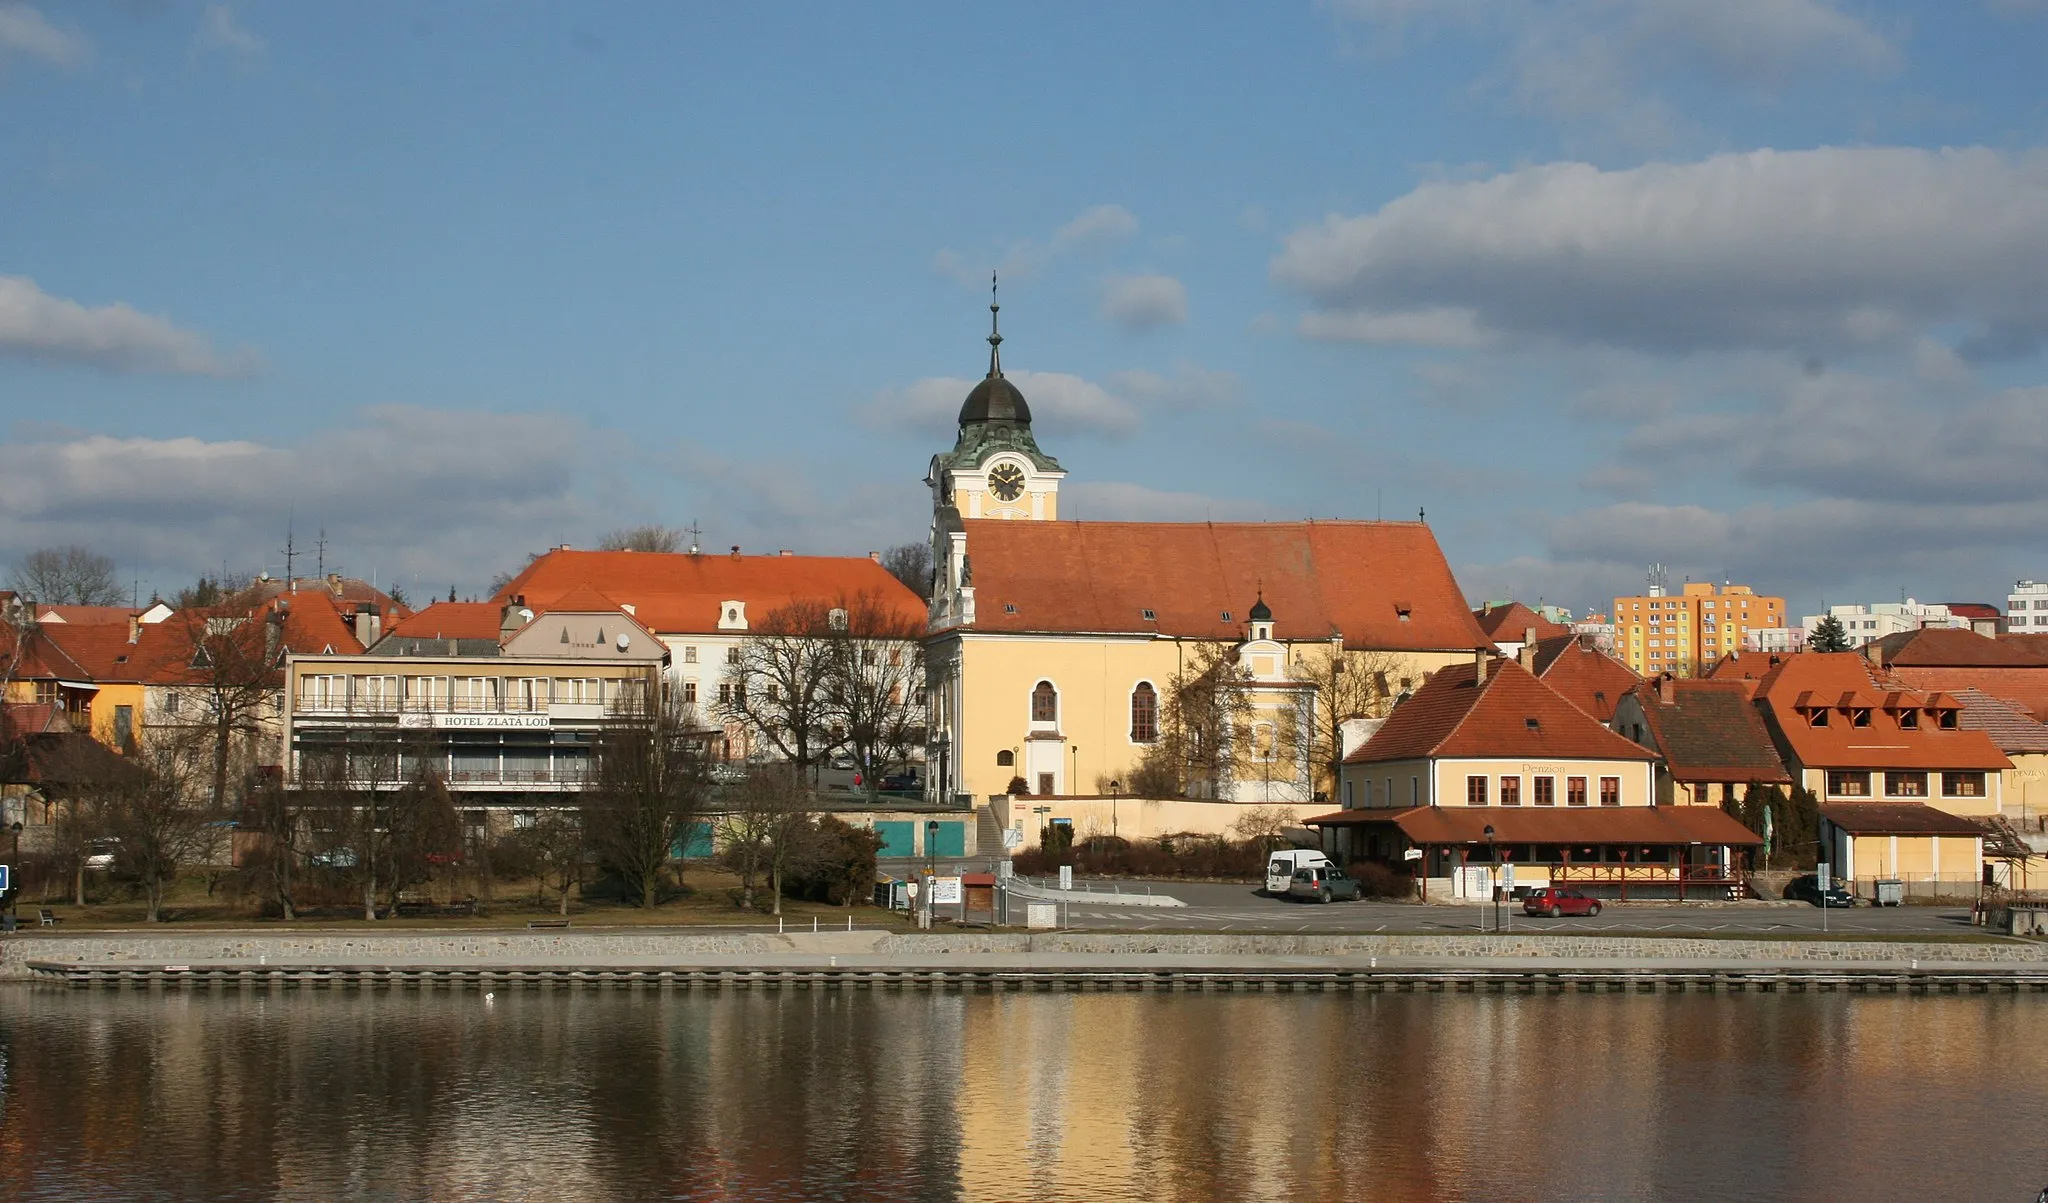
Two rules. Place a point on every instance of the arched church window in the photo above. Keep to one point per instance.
(1005, 759)
(1144, 714)
(1045, 703)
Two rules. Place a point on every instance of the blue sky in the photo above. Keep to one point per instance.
(1749, 288)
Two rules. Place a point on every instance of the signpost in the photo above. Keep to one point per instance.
(1820, 878)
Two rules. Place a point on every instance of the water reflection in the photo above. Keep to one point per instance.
(919, 1096)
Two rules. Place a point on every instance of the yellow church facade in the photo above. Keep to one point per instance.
(1059, 654)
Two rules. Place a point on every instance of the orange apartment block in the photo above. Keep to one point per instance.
(1660, 631)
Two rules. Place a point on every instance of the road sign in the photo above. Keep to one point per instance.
(945, 890)
(1412, 854)
(1820, 874)
(3, 878)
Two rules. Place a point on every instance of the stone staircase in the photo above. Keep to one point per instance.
(988, 834)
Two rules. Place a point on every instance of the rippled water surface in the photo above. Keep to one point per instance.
(1037, 1096)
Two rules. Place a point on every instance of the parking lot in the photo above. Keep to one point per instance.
(1213, 906)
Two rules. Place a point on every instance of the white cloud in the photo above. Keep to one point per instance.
(26, 33)
(1144, 302)
(218, 29)
(36, 325)
(1189, 386)
(428, 496)
(1095, 226)
(1804, 250)
(1059, 398)
(1604, 62)
(765, 505)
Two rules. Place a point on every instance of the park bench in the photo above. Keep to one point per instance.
(49, 918)
(547, 923)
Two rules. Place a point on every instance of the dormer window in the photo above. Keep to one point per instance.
(1947, 720)
(1149, 616)
(1816, 718)
(1859, 716)
(1533, 724)
(1226, 616)
(1909, 720)
(1009, 607)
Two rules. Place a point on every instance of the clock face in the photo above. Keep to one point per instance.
(1006, 482)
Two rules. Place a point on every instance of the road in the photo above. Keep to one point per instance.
(1213, 906)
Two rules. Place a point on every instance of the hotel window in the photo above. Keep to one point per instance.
(689, 655)
(1144, 714)
(1610, 791)
(1905, 785)
(724, 693)
(1843, 783)
(1962, 785)
(1510, 791)
(1545, 789)
(1475, 791)
(1045, 703)
(732, 654)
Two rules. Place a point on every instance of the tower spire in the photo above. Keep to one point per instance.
(995, 331)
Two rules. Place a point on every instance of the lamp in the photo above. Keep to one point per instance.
(1492, 881)
(1114, 786)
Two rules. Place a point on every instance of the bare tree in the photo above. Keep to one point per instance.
(1265, 826)
(230, 684)
(649, 783)
(643, 538)
(1349, 685)
(159, 822)
(762, 826)
(272, 812)
(555, 842)
(776, 690)
(350, 789)
(423, 832)
(68, 576)
(873, 677)
(1204, 732)
(911, 563)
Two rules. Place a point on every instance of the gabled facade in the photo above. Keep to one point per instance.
(1711, 741)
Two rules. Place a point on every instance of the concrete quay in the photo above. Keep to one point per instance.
(1011, 961)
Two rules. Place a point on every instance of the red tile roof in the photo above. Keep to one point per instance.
(39, 655)
(681, 594)
(1589, 678)
(1890, 818)
(1513, 715)
(2007, 723)
(1321, 579)
(1512, 621)
(85, 614)
(1798, 683)
(1953, 647)
(581, 599)
(2025, 685)
(1553, 825)
(1974, 610)
(452, 620)
(1710, 731)
(103, 651)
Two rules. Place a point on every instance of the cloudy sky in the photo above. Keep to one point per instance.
(1752, 288)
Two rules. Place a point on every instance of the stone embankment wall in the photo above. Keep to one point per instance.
(1588, 948)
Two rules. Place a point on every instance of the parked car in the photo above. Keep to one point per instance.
(1324, 883)
(99, 855)
(1280, 867)
(901, 783)
(844, 762)
(1555, 902)
(1807, 889)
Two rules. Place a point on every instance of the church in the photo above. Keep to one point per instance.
(1191, 663)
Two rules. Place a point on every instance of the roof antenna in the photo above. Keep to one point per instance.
(1421, 514)
(290, 554)
(995, 332)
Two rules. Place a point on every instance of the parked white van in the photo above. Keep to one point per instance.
(1281, 865)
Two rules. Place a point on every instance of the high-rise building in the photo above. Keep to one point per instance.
(2026, 607)
(1869, 622)
(1659, 631)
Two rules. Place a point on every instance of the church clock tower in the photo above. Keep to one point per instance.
(995, 469)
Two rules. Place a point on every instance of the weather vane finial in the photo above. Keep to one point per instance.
(995, 332)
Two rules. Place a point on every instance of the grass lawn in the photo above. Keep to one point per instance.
(708, 900)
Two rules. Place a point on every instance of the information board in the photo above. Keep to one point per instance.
(3, 878)
(945, 890)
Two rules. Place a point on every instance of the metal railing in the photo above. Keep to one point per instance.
(387, 706)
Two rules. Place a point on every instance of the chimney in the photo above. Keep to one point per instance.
(1874, 654)
(785, 552)
(1662, 686)
(134, 628)
(1527, 656)
(514, 616)
(1479, 658)
(366, 623)
(875, 556)
(735, 551)
(333, 584)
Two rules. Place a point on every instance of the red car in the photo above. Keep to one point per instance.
(1554, 902)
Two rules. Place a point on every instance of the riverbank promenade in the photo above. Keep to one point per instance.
(646, 958)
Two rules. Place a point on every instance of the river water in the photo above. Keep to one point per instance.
(854, 1095)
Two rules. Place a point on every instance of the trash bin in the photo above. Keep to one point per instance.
(1890, 891)
(6, 923)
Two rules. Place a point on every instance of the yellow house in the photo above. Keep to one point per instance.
(1487, 767)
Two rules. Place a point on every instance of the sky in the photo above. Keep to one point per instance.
(1748, 288)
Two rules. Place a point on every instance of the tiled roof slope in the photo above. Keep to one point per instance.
(1888, 818)
(1451, 716)
(103, 651)
(675, 593)
(2028, 686)
(1710, 731)
(1953, 647)
(452, 620)
(1555, 825)
(1512, 621)
(1589, 678)
(1320, 578)
(1825, 679)
(2007, 723)
(85, 614)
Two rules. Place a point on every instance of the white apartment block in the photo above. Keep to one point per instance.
(1778, 640)
(2026, 607)
(1869, 622)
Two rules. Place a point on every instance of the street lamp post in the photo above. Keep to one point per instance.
(1493, 878)
(13, 867)
(931, 877)
(1114, 786)
(1074, 786)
